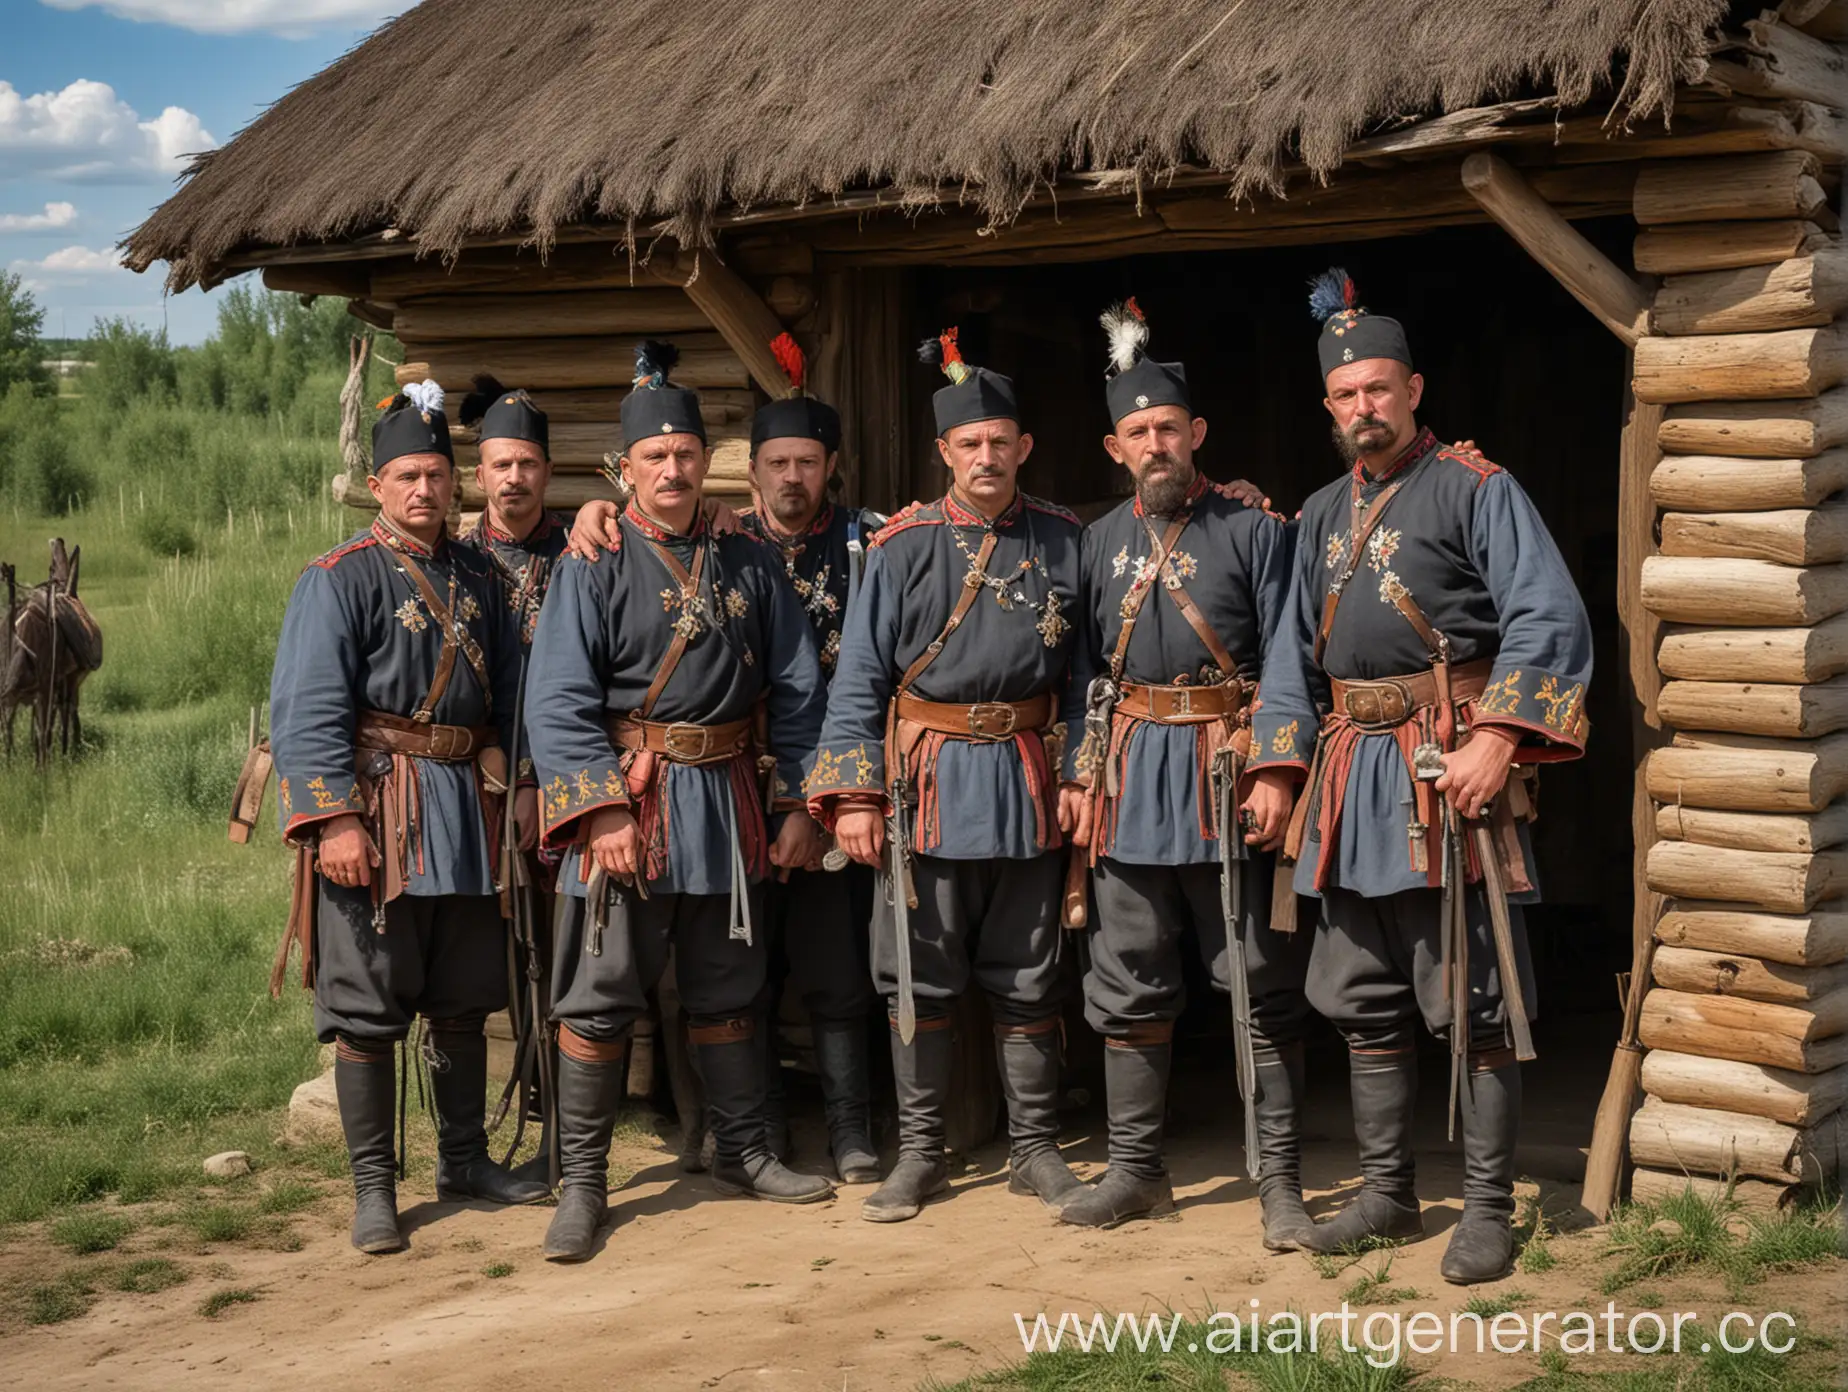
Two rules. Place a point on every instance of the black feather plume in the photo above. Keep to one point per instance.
(654, 360)
(930, 352)
(475, 404)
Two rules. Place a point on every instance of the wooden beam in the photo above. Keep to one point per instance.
(1758, 429)
(1814, 939)
(739, 314)
(1792, 537)
(1778, 185)
(1615, 300)
(1757, 708)
(1741, 366)
(1669, 1136)
(1739, 974)
(1778, 881)
(543, 363)
(341, 281)
(1808, 654)
(1754, 831)
(1754, 1196)
(1829, 23)
(1783, 62)
(1718, 483)
(1733, 592)
(1718, 246)
(1798, 293)
(1745, 773)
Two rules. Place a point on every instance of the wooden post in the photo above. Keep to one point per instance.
(747, 324)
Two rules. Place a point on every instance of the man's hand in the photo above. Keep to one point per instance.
(616, 840)
(798, 844)
(721, 518)
(526, 817)
(1246, 492)
(597, 528)
(1075, 813)
(347, 853)
(1473, 775)
(860, 831)
(1273, 793)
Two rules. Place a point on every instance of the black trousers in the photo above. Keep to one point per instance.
(818, 940)
(994, 920)
(441, 956)
(601, 996)
(1377, 968)
(1144, 911)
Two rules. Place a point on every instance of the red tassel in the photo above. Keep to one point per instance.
(1349, 295)
(1135, 309)
(951, 354)
(788, 354)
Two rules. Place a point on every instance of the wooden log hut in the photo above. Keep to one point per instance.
(1613, 231)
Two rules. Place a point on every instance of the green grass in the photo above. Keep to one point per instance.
(288, 1196)
(1805, 1369)
(1489, 1306)
(149, 1276)
(1687, 1232)
(495, 1270)
(218, 1222)
(53, 1302)
(219, 1301)
(1376, 1288)
(87, 1232)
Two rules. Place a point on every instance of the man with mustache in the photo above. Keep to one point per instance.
(943, 715)
(1184, 585)
(392, 708)
(1433, 618)
(666, 678)
(817, 919)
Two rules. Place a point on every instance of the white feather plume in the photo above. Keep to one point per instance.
(1128, 333)
(426, 396)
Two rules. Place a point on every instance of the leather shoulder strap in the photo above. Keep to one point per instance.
(1119, 656)
(1204, 630)
(455, 639)
(1358, 534)
(972, 586)
(689, 588)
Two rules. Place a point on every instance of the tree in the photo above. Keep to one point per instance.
(20, 321)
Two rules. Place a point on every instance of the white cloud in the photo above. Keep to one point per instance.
(288, 17)
(86, 131)
(71, 263)
(56, 215)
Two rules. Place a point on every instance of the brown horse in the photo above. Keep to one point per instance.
(51, 645)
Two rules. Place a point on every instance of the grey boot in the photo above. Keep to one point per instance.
(921, 1071)
(1287, 1225)
(840, 1057)
(732, 1066)
(588, 1095)
(1384, 1088)
(1482, 1247)
(458, 1084)
(1029, 1064)
(1136, 1185)
(367, 1094)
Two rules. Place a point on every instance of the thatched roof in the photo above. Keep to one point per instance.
(468, 118)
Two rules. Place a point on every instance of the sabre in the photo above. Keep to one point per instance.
(902, 894)
(1428, 767)
(1495, 888)
(1232, 857)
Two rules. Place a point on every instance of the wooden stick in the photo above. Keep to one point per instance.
(1610, 1129)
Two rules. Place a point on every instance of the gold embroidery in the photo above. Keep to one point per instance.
(586, 786)
(735, 604)
(282, 791)
(1501, 697)
(412, 617)
(613, 785)
(1052, 626)
(1337, 549)
(1120, 562)
(1182, 566)
(1392, 588)
(1284, 740)
(326, 801)
(467, 607)
(1562, 707)
(826, 773)
(1382, 546)
(557, 798)
(831, 649)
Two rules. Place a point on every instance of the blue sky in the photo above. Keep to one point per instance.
(99, 99)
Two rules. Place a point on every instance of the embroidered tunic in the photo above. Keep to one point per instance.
(1233, 561)
(1463, 538)
(978, 799)
(604, 634)
(819, 566)
(523, 565)
(355, 637)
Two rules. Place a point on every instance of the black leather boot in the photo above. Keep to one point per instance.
(1384, 1087)
(921, 1072)
(537, 1168)
(588, 1095)
(732, 1066)
(689, 1094)
(776, 1102)
(840, 1057)
(368, 1094)
(1287, 1225)
(1028, 1056)
(1482, 1247)
(1136, 1185)
(458, 1087)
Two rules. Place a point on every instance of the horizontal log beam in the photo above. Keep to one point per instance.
(1788, 536)
(1671, 1136)
(1783, 62)
(1719, 483)
(601, 265)
(1755, 831)
(1756, 708)
(1758, 1197)
(1685, 248)
(1806, 940)
(1753, 978)
(342, 281)
(1796, 1099)
(1758, 429)
(1742, 773)
(1755, 654)
(1802, 292)
(731, 456)
(570, 362)
(656, 310)
(1737, 592)
(1780, 882)
(1741, 366)
(603, 405)
(1715, 1027)
(1733, 187)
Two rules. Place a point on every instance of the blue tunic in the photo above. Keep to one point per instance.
(819, 566)
(1233, 562)
(524, 565)
(603, 635)
(1467, 543)
(991, 797)
(355, 637)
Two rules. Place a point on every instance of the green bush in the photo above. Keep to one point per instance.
(165, 535)
(49, 473)
(83, 1233)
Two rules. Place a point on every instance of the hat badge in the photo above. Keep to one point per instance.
(1347, 355)
(666, 428)
(1142, 401)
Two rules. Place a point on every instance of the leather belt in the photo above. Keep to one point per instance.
(1183, 705)
(981, 720)
(397, 734)
(682, 741)
(1386, 702)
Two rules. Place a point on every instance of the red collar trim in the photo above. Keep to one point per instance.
(656, 531)
(543, 528)
(389, 535)
(1422, 443)
(962, 515)
(1194, 493)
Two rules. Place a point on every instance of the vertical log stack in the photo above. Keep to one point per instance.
(1747, 1020)
(566, 331)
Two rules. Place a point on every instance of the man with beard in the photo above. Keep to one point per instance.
(943, 715)
(1432, 617)
(1183, 588)
(816, 919)
(665, 678)
(392, 710)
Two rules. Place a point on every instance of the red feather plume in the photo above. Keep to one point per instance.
(951, 354)
(1135, 309)
(788, 354)
(1349, 295)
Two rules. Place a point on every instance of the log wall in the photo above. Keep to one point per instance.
(1747, 1018)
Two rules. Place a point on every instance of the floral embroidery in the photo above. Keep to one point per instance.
(1562, 707)
(1337, 549)
(613, 786)
(324, 799)
(862, 766)
(412, 617)
(1120, 562)
(557, 799)
(831, 648)
(1382, 546)
(1284, 740)
(1181, 566)
(1501, 697)
(467, 608)
(1392, 588)
(586, 785)
(1052, 626)
(735, 603)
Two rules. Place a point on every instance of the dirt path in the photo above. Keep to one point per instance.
(695, 1291)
